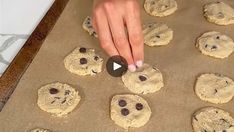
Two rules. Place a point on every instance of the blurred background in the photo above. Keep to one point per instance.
(18, 19)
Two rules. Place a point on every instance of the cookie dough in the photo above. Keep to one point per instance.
(83, 61)
(129, 111)
(58, 99)
(144, 80)
(87, 25)
(219, 13)
(215, 44)
(160, 8)
(211, 119)
(214, 88)
(157, 34)
(40, 130)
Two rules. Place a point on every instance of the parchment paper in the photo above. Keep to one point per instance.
(172, 107)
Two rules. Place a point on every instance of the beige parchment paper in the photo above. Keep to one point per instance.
(172, 107)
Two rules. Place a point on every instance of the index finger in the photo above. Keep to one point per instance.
(135, 34)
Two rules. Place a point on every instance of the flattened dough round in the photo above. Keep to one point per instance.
(214, 88)
(39, 130)
(211, 119)
(83, 61)
(215, 44)
(58, 99)
(157, 34)
(160, 8)
(219, 13)
(129, 110)
(87, 26)
(144, 80)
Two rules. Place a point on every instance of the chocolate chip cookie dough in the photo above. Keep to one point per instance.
(219, 13)
(129, 111)
(160, 8)
(58, 99)
(144, 80)
(39, 130)
(211, 119)
(157, 34)
(87, 26)
(83, 61)
(214, 88)
(215, 44)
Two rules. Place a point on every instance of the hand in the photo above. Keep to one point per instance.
(111, 18)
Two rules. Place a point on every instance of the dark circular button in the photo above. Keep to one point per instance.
(82, 50)
(116, 66)
(54, 90)
(83, 61)
(139, 106)
(122, 103)
(124, 112)
(142, 78)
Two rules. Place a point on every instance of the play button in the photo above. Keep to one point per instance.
(116, 66)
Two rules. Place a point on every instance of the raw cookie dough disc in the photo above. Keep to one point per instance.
(39, 130)
(211, 119)
(156, 34)
(129, 111)
(160, 8)
(214, 88)
(215, 44)
(144, 80)
(87, 25)
(57, 98)
(83, 61)
(219, 13)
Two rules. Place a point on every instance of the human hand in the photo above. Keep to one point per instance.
(111, 18)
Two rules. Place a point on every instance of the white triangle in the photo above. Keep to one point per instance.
(116, 66)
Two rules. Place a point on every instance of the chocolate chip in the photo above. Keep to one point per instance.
(158, 36)
(195, 118)
(52, 102)
(152, 2)
(216, 90)
(139, 106)
(96, 58)
(82, 50)
(83, 61)
(122, 103)
(224, 131)
(217, 37)
(54, 90)
(214, 47)
(94, 72)
(65, 99)
(165, 6)
(142, 78)
(220, 15)
(226, 82)
(124, 112)
(206, 45)
(67, 92)
(223, 120)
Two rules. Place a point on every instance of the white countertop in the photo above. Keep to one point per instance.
(18, 19)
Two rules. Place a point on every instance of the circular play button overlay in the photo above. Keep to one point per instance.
(116, 66)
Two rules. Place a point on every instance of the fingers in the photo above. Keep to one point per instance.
(134, 27)
(101, 26)
(119, 36)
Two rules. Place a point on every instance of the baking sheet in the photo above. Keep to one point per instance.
(172, 107)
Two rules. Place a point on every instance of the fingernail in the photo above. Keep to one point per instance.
(132, 68)
(139, 63)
